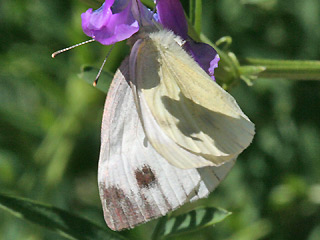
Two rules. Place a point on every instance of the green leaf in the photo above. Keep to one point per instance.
(191, 221)
(89, 74)
(63, 222)
(148, 3)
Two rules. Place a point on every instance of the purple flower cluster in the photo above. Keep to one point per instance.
(117, 20)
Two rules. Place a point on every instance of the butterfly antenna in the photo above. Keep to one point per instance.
(100, 70)
(53, 55)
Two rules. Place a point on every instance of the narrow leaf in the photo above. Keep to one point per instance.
(89, 74)
(63, 222)
(191, 221)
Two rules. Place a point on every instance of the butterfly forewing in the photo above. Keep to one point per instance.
(188, 118)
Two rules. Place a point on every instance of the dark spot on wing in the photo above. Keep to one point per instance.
(120, 211)
(113, 212)
(145, 177)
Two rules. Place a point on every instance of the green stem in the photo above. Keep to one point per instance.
(289, 69)
(192, 11)
(198, 16)
(195, 14)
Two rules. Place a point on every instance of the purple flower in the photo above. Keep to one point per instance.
(171, 16)
(213, 65)
(117, 20)
(111, 23)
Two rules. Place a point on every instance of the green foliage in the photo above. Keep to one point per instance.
(88, 73)
(191, 221)
(50, 118)
(74, 227)
(195, 14)
(64, 223)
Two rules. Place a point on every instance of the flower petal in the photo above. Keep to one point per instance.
(142, 14)
(204, 55)
(171, 16)
(108, 27)
(213, 65)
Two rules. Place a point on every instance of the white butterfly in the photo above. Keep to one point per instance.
(169, 133)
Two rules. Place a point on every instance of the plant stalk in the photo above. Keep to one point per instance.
(289, 69)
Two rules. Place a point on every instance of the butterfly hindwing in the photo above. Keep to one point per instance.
(136, 183)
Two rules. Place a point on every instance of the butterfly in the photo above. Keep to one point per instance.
(169, 133)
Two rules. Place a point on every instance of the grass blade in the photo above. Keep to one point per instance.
(63, 222)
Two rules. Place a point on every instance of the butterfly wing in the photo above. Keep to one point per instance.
(136, 183)
(188, 118)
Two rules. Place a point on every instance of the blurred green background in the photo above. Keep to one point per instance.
(50, 118)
